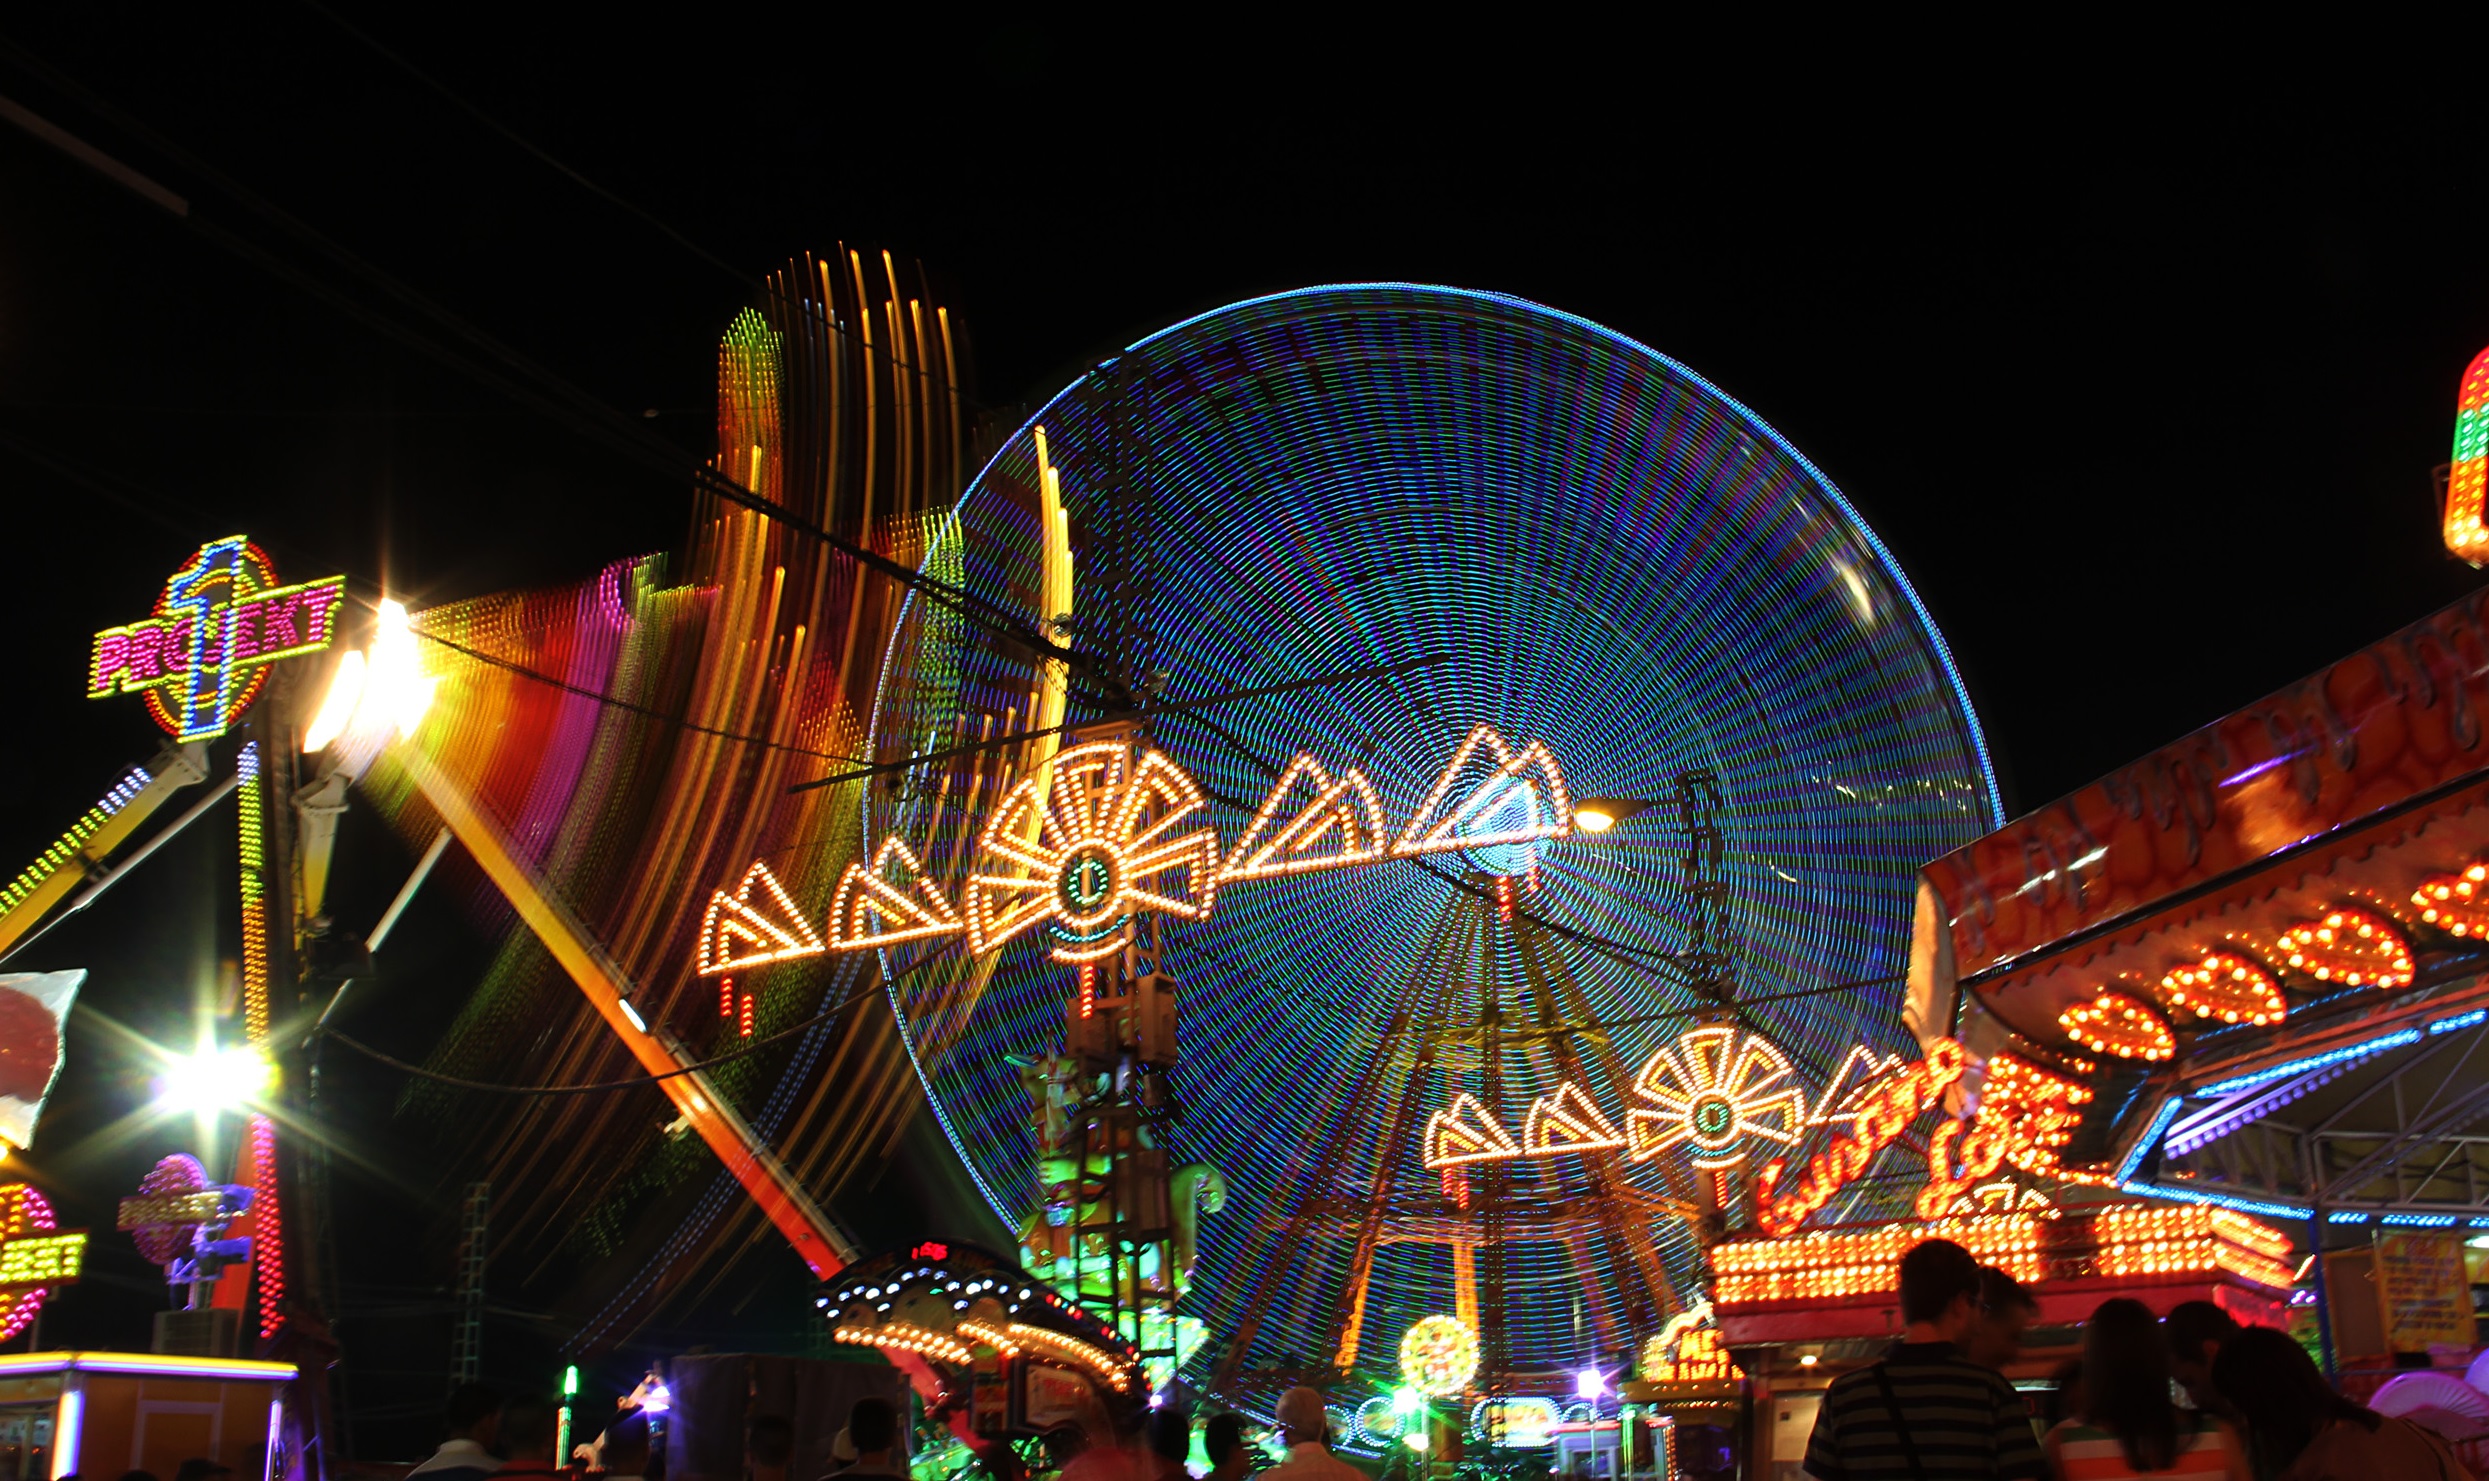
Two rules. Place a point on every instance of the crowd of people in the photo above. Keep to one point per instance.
(1936, 1407)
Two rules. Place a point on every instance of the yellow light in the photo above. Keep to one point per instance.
(1808, 1360)
(345, 691)
(1591, 820)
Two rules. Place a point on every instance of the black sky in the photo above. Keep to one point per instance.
(2141, 374)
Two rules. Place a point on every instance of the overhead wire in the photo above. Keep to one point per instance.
(488, 360)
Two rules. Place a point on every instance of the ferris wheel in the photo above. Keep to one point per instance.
(1353, 529)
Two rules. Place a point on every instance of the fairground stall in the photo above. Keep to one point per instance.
(2259, 950)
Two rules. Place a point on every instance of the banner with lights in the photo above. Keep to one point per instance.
(34, 1013)
(204, 654)
(37, 1256)
(1107, 832)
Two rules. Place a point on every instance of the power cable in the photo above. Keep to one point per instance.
(519, 377)
(531, 147)
(367, 1051)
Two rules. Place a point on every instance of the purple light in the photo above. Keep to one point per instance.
(1589, 1383)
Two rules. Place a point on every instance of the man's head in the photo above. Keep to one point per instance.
(2196, 1330)
(527, 1428)
(1940, 1288)
(2006, 1311)
(1171, 1433)
(873, 1426)
(1300, 1414)
(474, 1413)
(202, 1470)
(1224, 1437)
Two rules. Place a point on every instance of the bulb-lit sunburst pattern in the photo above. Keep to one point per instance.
(1718, 1089)
(1086, 849)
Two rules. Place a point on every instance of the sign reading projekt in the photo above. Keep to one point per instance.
(2423, 1288)
(204, 655)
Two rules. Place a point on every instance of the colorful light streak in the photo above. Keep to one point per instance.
(70, 844)
(2467, 479)
(2398, 1039)
(1345, 571)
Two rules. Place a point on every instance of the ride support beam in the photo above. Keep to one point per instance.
(819, 1243)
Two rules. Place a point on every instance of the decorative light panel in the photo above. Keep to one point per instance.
(1564, 1120)
(2467, 480)
(1338, 824)
(1098, 844)
(888, 901)
(1435, 829)
(204, 655)
(2354, 947)
(2114, 1023)
(2226, 986)
(2453, 903)
(1466, 1131)
(24, 1214)
(1717, 1090)
(2024, 1115)
(1439, 1355)
(754, 926)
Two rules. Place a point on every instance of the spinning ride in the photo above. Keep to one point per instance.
(1364, 520)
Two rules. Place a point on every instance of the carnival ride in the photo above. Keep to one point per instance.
(1458, 555)
(1348, 525)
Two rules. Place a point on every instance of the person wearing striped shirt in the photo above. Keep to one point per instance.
(2128, 1426)
(1926, 1412)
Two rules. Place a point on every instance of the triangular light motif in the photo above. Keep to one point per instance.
(1439, 825)
(1466, 1131)
(1338, 823)
(1565, 1120)
(878, 905)
(755, 925)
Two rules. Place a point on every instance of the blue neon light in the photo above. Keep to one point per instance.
(2347, 1216)
(2419, 1221)
(2151, 1137)
(2472, 1019)
(2395, 1040)
(2218, 1200)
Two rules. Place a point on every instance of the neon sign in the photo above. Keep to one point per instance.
(2024, 1116)
(1883, 1110)
(2467, 480)
(204, 655)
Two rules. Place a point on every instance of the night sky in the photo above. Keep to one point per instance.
(2142, 378)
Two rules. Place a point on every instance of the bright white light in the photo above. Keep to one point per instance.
(660, 1400)
(345, 691)
(377, 692)
(214, 1080)
(633, 1014)
(1415, 1440)
(399, 685)
(1591, 820)
(1808, 1360)
(1589, 1383)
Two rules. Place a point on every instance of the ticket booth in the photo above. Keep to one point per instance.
(104, 1413)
